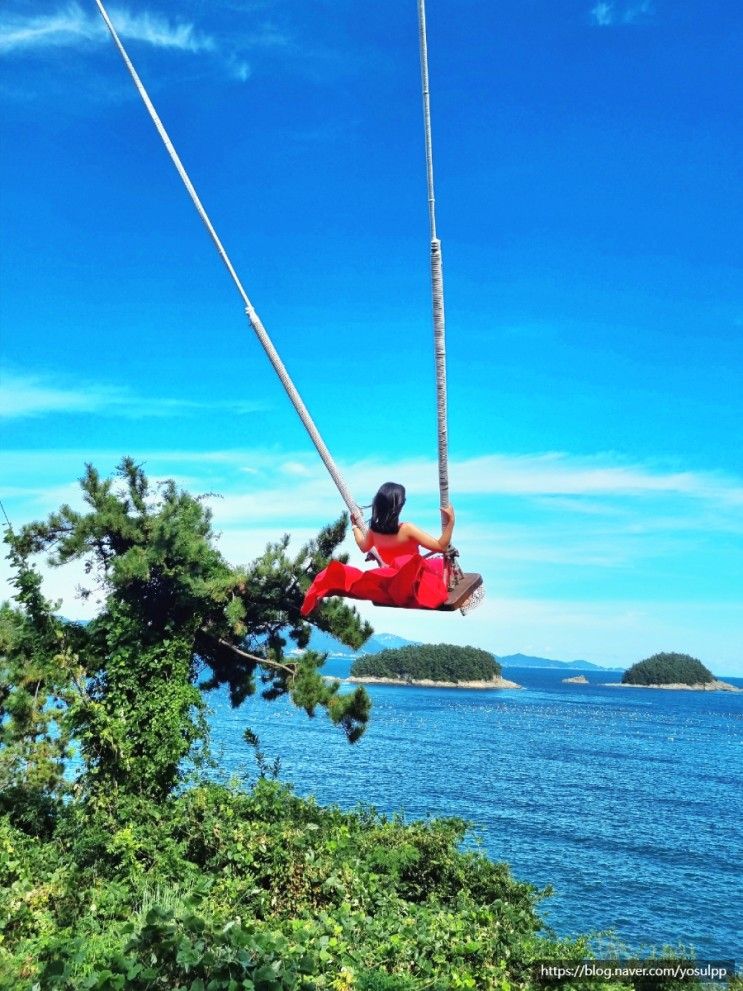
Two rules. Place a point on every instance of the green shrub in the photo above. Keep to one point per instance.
(220, 886)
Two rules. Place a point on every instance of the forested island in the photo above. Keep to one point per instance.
(674, 671)
(440, 664)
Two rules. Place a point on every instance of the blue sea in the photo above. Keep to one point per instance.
(628, 802)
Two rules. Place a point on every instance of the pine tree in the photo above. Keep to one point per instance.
(175, 621)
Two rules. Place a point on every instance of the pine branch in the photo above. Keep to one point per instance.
(262, 661)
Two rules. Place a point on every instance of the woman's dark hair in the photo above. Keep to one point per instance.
(386, 508)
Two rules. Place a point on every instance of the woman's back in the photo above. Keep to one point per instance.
(392, 546)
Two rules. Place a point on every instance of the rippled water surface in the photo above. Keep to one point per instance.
(629, 802)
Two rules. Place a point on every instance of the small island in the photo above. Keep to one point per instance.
(439, 665)
(673, 671)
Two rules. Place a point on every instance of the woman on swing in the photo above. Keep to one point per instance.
(406, 578)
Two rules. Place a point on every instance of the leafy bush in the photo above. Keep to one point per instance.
(218, 888)
(668, 669)
(434, 662)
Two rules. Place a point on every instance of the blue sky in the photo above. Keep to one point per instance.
(588, 167)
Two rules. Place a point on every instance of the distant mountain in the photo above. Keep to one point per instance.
(525, 661)
(386, 641)
(325, 644)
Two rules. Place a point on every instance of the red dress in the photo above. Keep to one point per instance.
(406, 579)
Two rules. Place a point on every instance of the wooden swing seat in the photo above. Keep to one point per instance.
(467, 584)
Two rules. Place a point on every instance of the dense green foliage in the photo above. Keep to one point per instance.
(175, 620)
(435, 662)
(668, 669)
(215, 886)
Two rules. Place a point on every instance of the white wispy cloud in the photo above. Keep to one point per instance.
(565, 482)
(23, 396)
(75, 26)
(158, 31)
(608, 13)
(72, 26)
(603, 13)
(64, 27)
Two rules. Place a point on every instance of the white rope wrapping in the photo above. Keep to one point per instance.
(439, 344)
(255, 321)
(437, 276)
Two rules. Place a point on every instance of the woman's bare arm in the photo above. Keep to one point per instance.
(364, 543)
(424, 539)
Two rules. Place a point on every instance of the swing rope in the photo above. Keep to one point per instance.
(452, 571)
(255, 321)
(437, 275)
(453, 574)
